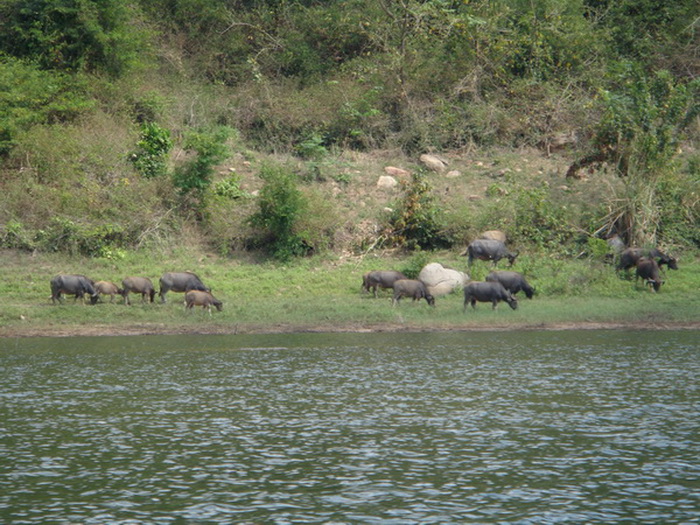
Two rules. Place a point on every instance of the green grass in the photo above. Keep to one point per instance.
(324, 294)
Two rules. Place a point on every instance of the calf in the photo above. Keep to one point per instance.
(411, 288)
(511, 281)
(380, 279)
(204, 299)
(487, 292)
(489, 250)
(77, 285)
(648, 269)
(142, 285)
(107, 288)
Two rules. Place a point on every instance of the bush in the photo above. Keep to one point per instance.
(280, 209)
(417, 221)
(153, 148)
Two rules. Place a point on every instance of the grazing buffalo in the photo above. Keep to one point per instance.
(141, 285)
(107, 288)
(487, 292)
(630, 256)
(489, 250)
(411, 288)
(648, 269)
(180, 282)
(77, 285)
(380, 279)
(511, 281)
(204, 299)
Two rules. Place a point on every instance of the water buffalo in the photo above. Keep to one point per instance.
(180, 282)
(107, 288)
(204, 299)
(648, 269)
(72, 284)
(487, 292)
(511, 281)
(411, 288)
(630, 256)
(380, 279)
(141, 285)
(489, 250)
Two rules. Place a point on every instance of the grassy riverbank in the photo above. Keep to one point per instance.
(323, 294)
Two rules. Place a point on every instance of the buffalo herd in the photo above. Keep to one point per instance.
(196, 293)
(499, 285)
(503, 285)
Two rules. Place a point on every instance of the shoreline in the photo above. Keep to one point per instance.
(155, 330)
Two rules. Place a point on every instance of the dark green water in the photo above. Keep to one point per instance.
(551, 427)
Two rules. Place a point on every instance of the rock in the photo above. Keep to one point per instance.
(453, 174)
(440, 280)
(433, 162)
(396, 172)
(494, 235)
(387, 182)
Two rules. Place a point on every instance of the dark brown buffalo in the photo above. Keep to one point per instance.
(142, 285)
(648, 270)
(487, 292)
(511, 281)
(107, 288)
(411, 288)
(630, 256)
(204, 299)
(489, 250)
(180, 282)
(77, 285)
(380, 279)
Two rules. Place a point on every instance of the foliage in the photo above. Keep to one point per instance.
(280, 208)
(644, 119)
(153, 148)
(539, 220)
(417, 221)
(71, 35)
(29, 96)
(194, 176)
(641, 131)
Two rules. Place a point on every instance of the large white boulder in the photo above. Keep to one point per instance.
(440, 280)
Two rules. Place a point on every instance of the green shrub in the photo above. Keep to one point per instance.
(280, 208)
(14, 235)
(194, 177)
(151, 157)
(417, 220)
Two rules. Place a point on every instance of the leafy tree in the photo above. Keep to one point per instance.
(29, 96)
(71, 35)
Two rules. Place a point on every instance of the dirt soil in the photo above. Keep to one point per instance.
(156, 329)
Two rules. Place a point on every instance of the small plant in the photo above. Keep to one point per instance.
(230, 188)
(312, 148)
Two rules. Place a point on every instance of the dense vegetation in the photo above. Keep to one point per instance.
(239, 123)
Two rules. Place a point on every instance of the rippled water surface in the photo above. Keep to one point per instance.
(352, 428)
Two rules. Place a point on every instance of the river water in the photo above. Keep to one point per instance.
(517, 427)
